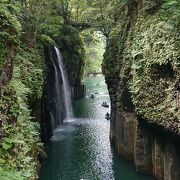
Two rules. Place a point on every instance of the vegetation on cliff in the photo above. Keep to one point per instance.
(141, 64)
(145, 52)
(94, 43)
(156, 71)
(27, 26)
(72, 48)
(21, 74)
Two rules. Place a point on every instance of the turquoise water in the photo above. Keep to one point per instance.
(80, 148)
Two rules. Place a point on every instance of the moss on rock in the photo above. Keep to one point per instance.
(71, 46)
(142, 64)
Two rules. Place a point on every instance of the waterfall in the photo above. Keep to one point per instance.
(65, 85)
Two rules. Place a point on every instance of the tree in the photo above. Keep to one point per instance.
(98, 14)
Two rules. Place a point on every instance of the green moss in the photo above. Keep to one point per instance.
(3, 53)
(72, 48)
(19, 133)
(9, 24)
(156, 71)
(10, 31)
(30, 67)
(19, 130)
(145, 63)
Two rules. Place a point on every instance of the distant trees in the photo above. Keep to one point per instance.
(35, 17)
(99, 14)
(95, 46)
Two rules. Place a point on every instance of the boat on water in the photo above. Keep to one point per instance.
(92, 96)
(107, 116)
(104, 104)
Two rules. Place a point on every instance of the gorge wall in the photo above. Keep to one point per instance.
(28, 30)
(73, 52)
(142, 70)
(71, 47)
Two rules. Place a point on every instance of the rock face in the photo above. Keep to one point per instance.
(154, 151)
(79, 91)
(142, 71)
(72, 49)
(74, 64)
(49, 96)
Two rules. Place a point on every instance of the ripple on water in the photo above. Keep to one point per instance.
(80, 149)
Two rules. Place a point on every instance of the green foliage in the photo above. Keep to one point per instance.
(171, 12)
(29, 68)
(78, 7)
(150, 54)
(22, 23)
(46, 40)
(72, 48)
(95, 47)
(69, 36)
(34, 15)
(9, 21)
(19, 134)
(52, 25)
(99, 14)
(3, 52)
(10, 31)
(145, 64)
(16, 158)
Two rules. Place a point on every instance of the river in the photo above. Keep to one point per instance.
(80, 148)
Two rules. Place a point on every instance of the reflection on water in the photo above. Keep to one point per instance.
(80, 148)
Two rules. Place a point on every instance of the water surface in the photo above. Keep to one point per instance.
(80, 148)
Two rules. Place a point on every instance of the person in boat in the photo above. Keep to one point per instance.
(107, 115)
(92, 96)
(104, 103)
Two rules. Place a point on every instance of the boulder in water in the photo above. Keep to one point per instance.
(42, 155)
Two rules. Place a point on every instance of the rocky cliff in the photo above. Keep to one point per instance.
(142, 69)
(71, 47)
(22, 75)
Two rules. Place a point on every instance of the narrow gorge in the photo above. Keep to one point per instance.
(90, 90)
(144, 87)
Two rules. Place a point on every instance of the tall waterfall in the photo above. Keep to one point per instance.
(66, 87)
